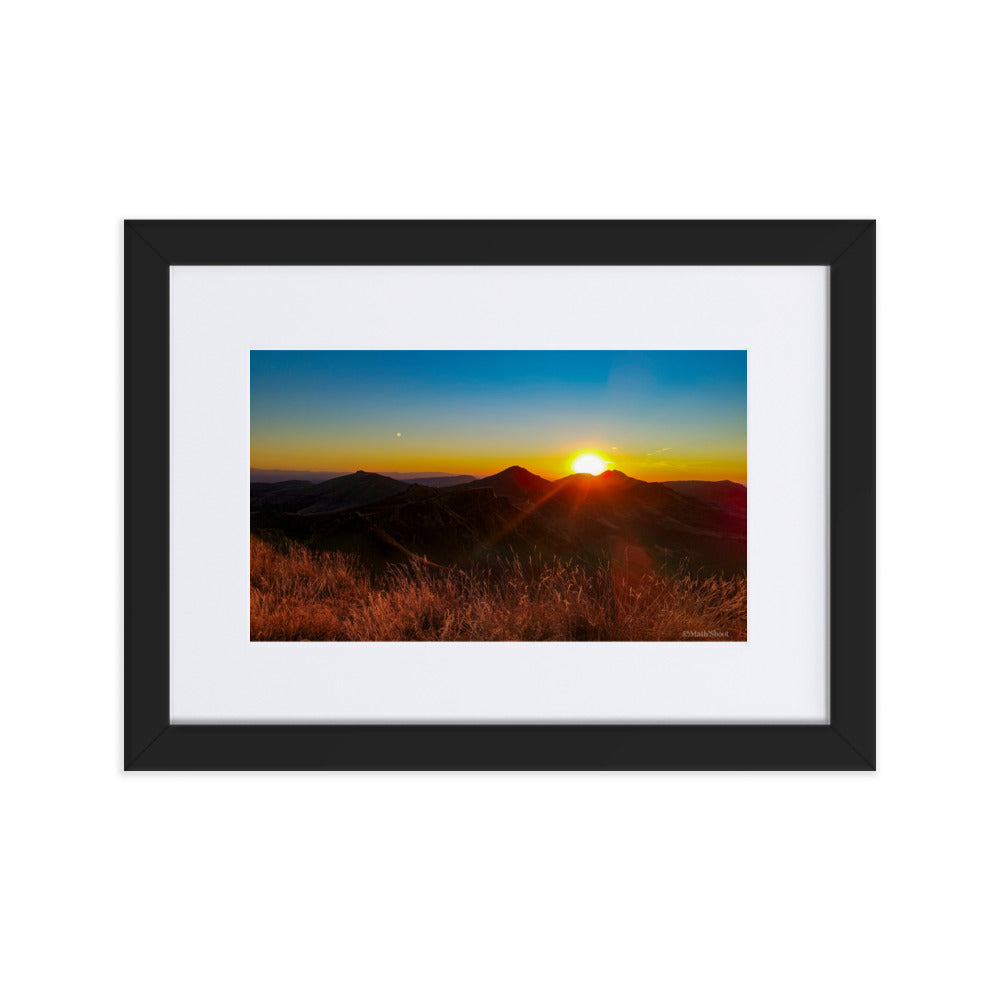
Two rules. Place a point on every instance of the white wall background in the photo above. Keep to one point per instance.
(506, 885)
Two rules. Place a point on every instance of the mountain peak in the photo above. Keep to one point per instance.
(608, 478)
(519, 474)
(361, 476)
(514, 482)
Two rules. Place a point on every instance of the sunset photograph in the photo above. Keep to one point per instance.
(498, 496)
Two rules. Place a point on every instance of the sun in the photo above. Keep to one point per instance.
(589, 462)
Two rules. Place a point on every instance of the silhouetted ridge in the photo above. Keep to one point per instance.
(515, 483)
(610, 481)
(724, 494)
(580, 517)
(340, 493)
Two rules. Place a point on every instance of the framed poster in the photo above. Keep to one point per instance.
(499, 495)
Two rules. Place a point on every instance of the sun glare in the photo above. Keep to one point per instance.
(588, 462)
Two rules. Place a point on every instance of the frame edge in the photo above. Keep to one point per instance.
(852, 494)
(147, 493)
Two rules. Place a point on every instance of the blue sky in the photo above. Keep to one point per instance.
(654, 415)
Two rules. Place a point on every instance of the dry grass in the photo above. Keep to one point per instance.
(298, 594)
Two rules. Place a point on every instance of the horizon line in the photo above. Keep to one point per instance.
(337, 474)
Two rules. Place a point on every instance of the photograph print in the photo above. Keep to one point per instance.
(508, 496)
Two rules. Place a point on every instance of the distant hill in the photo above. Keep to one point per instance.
(438, 479)
(724, 493)
(515, 483)
(440, 482)
(610, 481)
(412, 477)
(340, 493)
(288, 475)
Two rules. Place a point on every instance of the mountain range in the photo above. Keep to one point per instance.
(581, 517)
(287, 475)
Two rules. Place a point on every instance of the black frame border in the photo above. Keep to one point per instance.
(847, 743)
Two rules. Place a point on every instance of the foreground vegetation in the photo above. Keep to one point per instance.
(299, 594)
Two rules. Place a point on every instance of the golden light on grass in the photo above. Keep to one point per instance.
(590, 463)
(297, 594)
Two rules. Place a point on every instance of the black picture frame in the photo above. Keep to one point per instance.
(152, 742)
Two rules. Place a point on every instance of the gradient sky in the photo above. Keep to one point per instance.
(654, 415)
